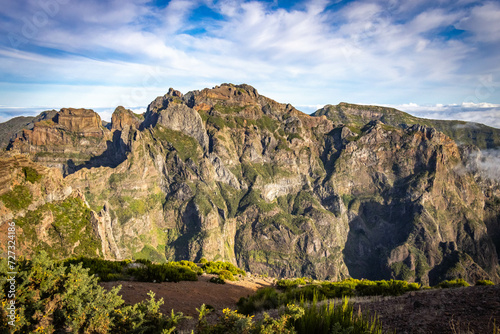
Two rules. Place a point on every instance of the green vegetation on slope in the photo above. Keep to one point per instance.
(18, 198)
(60, 228)
(185, 146)
(268, 298)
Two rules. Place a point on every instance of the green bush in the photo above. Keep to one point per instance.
(215, 267)
(168, 272)
(194, 267)
(290, 283)
(329, 318)
(325, 318)
(217, 280)
(269, 298)
(54, 298)
(149, 272)
(226, 275)
(456, 283)
(104, 270)
(484, 282)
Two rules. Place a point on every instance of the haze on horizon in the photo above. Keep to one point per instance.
(431, 59)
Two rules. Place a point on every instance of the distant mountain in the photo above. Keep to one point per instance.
(226, 173)
(11, 127)
(462, 132)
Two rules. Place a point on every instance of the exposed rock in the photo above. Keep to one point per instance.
(124, 117)
(181, 118)
(83, 121)
(226, 173)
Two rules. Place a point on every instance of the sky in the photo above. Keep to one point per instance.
(434, 59)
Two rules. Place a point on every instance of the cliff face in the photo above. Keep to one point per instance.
(229, 174)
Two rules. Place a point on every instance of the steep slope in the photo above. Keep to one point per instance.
(11, 127)
(229, 174)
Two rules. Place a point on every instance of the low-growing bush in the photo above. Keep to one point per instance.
(266, 298)
(54, 297)
(484, 282)
(290, 283)
(103, 269)
(263, 299)
(168, 272)
(330, 318)
(194, 267)
(456, 283)
(226, 275)
(215, 267)
(217, 280)
(325, 318)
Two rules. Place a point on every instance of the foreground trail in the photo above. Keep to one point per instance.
(460, 310)
(186, 296)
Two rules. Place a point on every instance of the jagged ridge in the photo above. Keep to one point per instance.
(229, 174)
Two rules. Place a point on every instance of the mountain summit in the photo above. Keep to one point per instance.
(226, 173)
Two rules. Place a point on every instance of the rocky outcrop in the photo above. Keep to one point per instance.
(180, 117)
(83, 121)
(122, 118)
(227, 173)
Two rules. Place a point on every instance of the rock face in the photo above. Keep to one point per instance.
(226, 173)
(122, 118)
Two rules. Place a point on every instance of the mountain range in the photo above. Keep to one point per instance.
(228, 174)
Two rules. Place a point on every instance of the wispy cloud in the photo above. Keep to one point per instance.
(315, 52)
(484, 113)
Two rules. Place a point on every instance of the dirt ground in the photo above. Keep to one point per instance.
(458, 310)
(472, 310)
(185, 296)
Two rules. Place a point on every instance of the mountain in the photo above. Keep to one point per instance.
(482, 136)
(226, 173)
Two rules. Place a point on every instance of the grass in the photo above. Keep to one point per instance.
(329, 318)
(268, 298)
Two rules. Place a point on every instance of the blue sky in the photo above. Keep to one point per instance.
(437, 58)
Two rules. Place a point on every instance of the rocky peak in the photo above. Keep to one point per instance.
(174, 93)
(85, 121)
(122, 118)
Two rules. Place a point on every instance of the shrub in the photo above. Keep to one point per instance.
(484, 282)
(456, 283)
(325, 318)
(263, 299)
(169, 272)
(217, 280)
(270, 298)
(215, 267)
(290, 283)
(52, 297)
(226, 275)
(192, 265)
(329, 318)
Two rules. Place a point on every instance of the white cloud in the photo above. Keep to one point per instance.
(368, 51)
(483, 22)
(484, 113)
